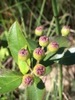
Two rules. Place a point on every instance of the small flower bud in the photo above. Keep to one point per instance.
(23, 54)
(27, 80)
(43, 41)
(38, 53)
(39, 70)
(53, 47)
(39, 31)
(65, 30)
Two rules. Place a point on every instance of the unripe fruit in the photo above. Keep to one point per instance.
(23, 54)
(65, 30)
(53, 47)
(27, 80)
(39, 31)
(39, 70)
(38, 53)
(43, 41)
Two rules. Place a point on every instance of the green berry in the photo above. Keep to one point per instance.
(27, 80)
(38, 53)
(39, 31)
(53, 46)
(39, 70)
(23, 54)
(43, 41)
(65, 30)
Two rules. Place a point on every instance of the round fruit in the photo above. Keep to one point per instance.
(39, 70)
(53, 46)
(38, 53)
(23, 54)
(65, 30)
(43, 41)
(39, 31)
(27, 80)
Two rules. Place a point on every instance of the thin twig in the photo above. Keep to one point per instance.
(7, 62)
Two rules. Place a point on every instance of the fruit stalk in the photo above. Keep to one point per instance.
(60, 81)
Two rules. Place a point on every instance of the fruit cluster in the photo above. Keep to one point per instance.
(38, 54)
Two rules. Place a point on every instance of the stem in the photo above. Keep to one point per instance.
(47, 97)
(60, 81)
(54, 5)
(41, 12)
(49, 30)
(29, 67)
(26, 93)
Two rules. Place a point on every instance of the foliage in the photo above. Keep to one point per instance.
(16, 41)
(30, 15)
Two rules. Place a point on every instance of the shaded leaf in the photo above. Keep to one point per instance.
(48, 70)
(47, 63)
(68, 58)
(59, 54)
(40, 85)
(34, 93)
(61, 40)
(48, 56)
(32, 44)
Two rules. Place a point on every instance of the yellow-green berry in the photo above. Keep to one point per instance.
(65, 30)
(43, 41)
(23, 54)
(27, 80)
(53, 46)
(39, 31)
(38, 53)
(39, 70)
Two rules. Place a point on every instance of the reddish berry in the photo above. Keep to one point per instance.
(38, 53)
(39, 70)
(23, 54)
(43, 41)
(53, 47)
(39, 31)
(27, 80)
(65, 30)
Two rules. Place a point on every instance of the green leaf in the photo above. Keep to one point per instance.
(48, 56)
(61, 40)
(9, 80)
(16, 40)
(32, 44)
(68, 58)
(59, 54)
(48, 70)
(35, 92)
(23, 66)
(3, 39)
(47, 63)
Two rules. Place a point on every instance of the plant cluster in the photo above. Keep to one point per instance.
(34, 60)
(45, 47)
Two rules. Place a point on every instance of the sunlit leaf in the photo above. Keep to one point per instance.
(16, 40)
(23, 66)
(9, 80)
